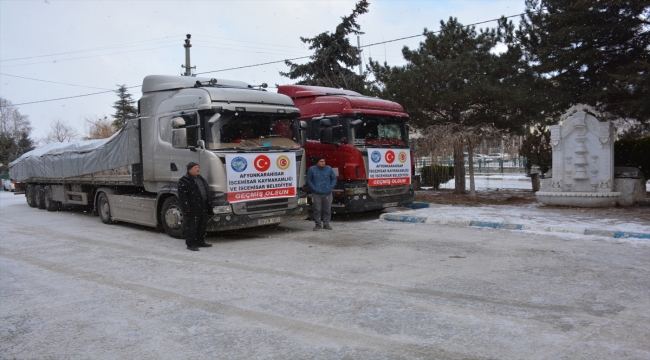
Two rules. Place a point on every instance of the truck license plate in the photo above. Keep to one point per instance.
(390, 205)
(268, 221)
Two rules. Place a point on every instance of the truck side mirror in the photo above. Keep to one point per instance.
(179, 133)
(179, 138)
(178, 122)
(302, 126)
(326, 135)
(326, 131)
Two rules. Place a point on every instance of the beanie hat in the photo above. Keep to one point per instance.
(191, 164)
(318, 158)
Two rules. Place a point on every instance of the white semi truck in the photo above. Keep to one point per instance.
(246, 140)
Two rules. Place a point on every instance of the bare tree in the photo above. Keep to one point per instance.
(61, 132)
(437, 138)
(12, 122)
(98, 128)
(14, 133)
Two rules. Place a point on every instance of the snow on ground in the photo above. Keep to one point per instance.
(495, 181)
(501, 181)
(559, 219)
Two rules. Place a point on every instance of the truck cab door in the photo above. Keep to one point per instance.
(183, 147)
(315, 147)
(163, 150)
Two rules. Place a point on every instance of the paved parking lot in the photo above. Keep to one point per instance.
(72, 287)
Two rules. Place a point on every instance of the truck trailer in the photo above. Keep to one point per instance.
(365, 141)
(246, 140)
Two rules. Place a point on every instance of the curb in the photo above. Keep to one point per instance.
(507, 226)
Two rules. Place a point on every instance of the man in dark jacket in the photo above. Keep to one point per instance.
(321, 180)
(194, 194)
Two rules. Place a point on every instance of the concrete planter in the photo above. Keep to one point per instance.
(578, 199)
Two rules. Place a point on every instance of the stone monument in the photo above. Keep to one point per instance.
(583, 161)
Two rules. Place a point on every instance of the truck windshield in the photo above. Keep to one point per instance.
(246, 130)
(380, 131)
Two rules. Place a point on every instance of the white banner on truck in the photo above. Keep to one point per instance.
(389, 167)
(260, 176)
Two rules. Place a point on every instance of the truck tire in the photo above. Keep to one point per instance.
(104, 209)
(50, 204)
(171, 216)
(29, 195)
(39, 196)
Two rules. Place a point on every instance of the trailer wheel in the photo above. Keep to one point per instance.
(29, 195)
(50, 204)
(171, 215)
(39, 196)
(104, 209)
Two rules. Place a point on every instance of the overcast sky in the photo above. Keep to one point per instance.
(52, 49)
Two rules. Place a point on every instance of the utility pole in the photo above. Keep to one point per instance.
(187, 66)
(360, 58)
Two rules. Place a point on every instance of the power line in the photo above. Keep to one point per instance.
(435, 32)
(86, 57)
(53, 82)
(377, 43)
(93, 49)
(253, 65)
(72, 97)
(273, 62)
(251, 42)
(233, 49)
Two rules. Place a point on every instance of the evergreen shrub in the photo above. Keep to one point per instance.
(633, 153)
(435, 175)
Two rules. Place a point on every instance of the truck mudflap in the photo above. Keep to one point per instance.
(364, 202)
(231, 221)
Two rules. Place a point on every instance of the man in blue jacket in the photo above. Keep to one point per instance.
(321, 180)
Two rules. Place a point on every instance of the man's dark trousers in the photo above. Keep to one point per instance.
(194, 228)
(322, 208)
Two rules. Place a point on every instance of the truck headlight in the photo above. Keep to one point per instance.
(224, 209)
(355, 190)
(302, 201)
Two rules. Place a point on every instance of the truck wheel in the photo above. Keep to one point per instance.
(104, 209)
(50, 204)
(39, 197)
(29, 195)
(171, 215)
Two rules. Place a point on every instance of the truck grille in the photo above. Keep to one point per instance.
(261, 206)
(375, 191)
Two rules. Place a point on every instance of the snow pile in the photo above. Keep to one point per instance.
(554, 219)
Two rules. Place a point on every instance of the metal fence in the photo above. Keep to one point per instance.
(481, 166)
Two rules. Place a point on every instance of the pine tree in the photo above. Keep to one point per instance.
(536, 148)
(25, 144)
(596, 52)
(455, 77)
(124, 108)
(7, 150)
(334, 57)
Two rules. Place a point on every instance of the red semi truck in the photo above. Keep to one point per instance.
(363, 139)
